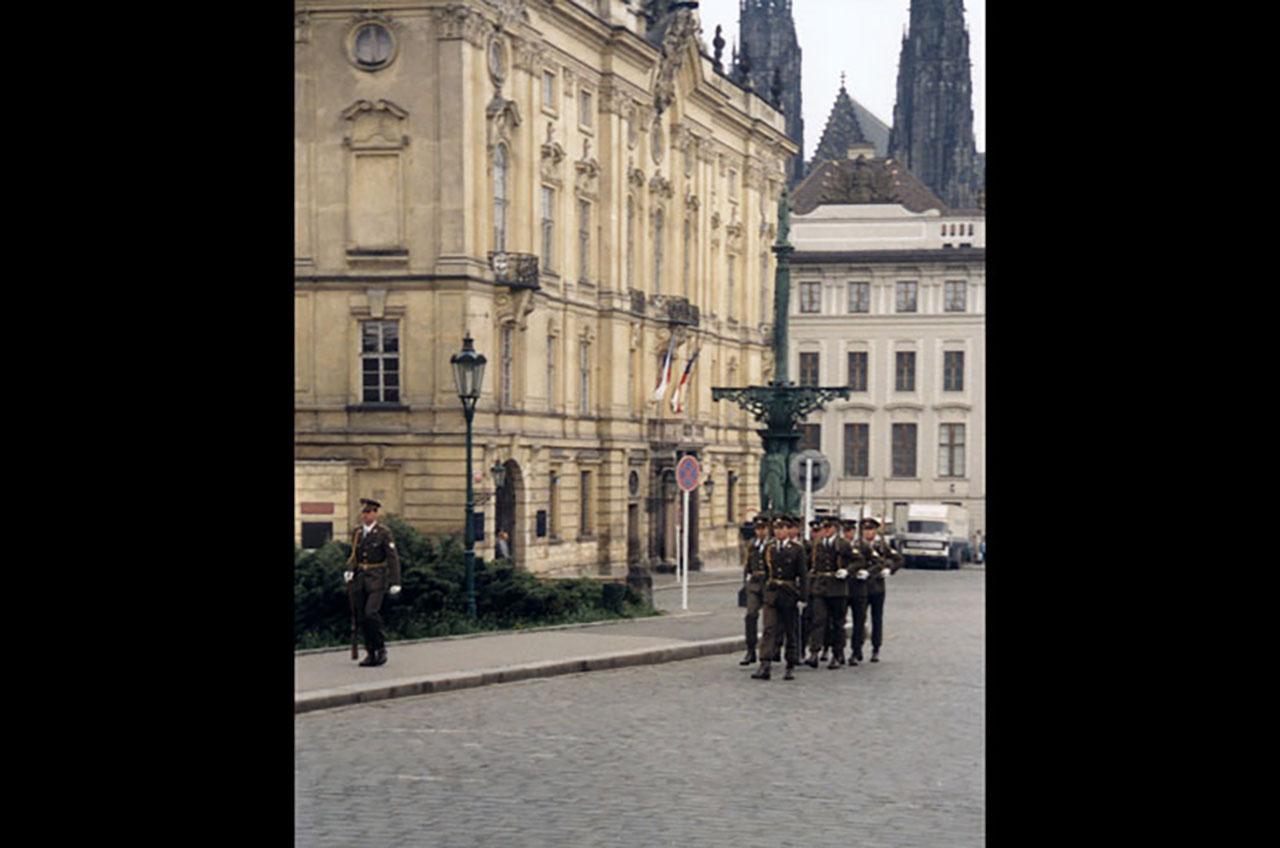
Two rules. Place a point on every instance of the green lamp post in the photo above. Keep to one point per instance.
(781, 405)
(468, 375)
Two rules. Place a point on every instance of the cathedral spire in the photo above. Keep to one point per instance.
(933, 118)
(771, 55)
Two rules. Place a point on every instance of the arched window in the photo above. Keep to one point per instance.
(500, 197)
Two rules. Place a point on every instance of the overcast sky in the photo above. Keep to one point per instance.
(862, 38)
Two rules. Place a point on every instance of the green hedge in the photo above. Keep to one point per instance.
(433, 599)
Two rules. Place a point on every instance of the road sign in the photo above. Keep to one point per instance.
(821, 469)
(688, 473)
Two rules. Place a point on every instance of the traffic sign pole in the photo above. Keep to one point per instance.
(808, 494)
(684, 558)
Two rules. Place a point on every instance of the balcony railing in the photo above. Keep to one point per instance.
(518, 270)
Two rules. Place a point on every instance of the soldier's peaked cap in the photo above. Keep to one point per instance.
(870, 522)
(367, 503)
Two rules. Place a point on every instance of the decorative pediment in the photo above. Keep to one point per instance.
(661, 186)
(503, 118)
(587, 169)
(680, 38)
(552, 153)
(375, 124)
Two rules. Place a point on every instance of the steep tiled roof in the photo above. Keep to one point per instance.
(863, 180)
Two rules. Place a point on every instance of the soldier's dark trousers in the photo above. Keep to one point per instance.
(755, 601)
(828, 619)
(370, 589)
(781, 625)
(876, 603)
(858, 603)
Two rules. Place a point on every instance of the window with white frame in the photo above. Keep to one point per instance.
(953, 371)
(905, 371)
(906, 291)
(904, 450)
(811, 297)
(860, 297)
(380, 361)
(584, 108)
(549, 91)
(954, 296)
(951, 450)
(857, 370)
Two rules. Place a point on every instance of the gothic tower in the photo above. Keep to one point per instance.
(769, 64)
(933, 117)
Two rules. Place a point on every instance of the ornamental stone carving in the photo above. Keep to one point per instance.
(375, 124)
(587, 169)
(661, 186)
(454, 22)
(503, 118)
(552, 154)
(681, 32)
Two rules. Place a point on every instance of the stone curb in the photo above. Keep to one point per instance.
(451, 681)
(672, 616)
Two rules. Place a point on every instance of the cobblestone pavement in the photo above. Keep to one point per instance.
(686, 753)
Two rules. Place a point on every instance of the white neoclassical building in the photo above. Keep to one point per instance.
(889, 298)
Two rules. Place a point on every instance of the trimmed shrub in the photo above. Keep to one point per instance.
(432, 600)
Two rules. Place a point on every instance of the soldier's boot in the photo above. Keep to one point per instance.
(749, 658)
(840, 657)
(812, 662)
(370, 659)
(789, 675)
(825, 651)
(382, 657)
(836, 661)
(762, 673)
(875, 654)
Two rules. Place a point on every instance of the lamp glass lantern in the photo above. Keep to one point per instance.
(468, 372)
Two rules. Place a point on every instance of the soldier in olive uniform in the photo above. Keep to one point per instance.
(376, 571)
(806, 616)
(829, 591)
(879, 562)
(854, 566)
(753, 569)
(786, 582)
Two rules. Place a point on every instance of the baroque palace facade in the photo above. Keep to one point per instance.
(578, 187)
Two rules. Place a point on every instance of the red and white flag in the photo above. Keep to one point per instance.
(664, 375)
(677, 399)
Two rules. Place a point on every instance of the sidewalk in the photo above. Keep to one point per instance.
(711, 625)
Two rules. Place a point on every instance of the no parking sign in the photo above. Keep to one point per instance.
(688, 473)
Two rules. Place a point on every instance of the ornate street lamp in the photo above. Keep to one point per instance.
(468, 375)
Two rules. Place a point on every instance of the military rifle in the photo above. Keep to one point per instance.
(351, 599)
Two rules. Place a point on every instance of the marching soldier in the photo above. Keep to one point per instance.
(806, 616)
(753, 568)
(828, 591)
(853, 564)
(375, 570)
(878, 562)
(786, 582)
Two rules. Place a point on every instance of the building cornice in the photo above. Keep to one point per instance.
(940, 255)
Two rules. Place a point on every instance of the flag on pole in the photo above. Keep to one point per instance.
(677, 398)
(664, 375)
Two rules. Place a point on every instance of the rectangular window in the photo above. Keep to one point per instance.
(584, 240)
(549, 90)
(551, 373)
(859, 297)
(951, 450)
(316, 533)
(584, 385)
(553, 505)
(506, 367)
(733, 264)
(584, 527)
(811, 297)
(548, 227)
(954, 296)
(855, 450)
(811, 439)
(380, 361)
(584, 108)
(905, 373)
(858, 370)
(953, 371)
(904, 450)
(809, 369)
(906, 297)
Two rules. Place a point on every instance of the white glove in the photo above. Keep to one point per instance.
(884, 572)
(842, 573)
(863, 574)
(395, 590)
(348, 575)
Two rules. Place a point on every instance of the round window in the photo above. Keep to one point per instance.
(372, 46)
